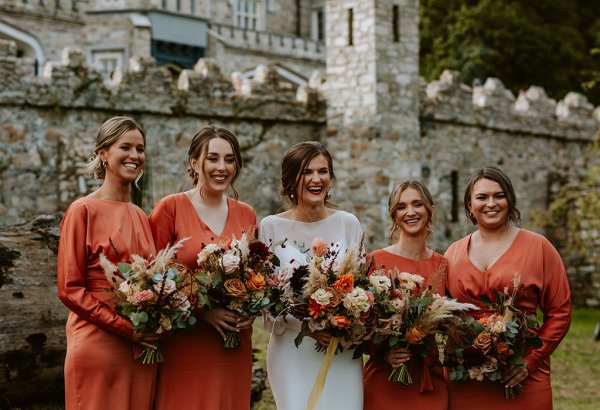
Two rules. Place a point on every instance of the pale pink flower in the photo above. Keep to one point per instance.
(319, 247)
(144, 296)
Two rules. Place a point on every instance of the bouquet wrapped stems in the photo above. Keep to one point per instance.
(512, 392)
(232, 340)
(150, 355)
(401, 375)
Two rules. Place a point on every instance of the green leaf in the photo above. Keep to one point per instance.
(124, 267)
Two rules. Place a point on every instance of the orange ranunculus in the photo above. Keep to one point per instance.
(256, 282)
(483, 342)
(341, 322)
(235, 287)
(315, 309)
(414, 335)
(501, 347)
(344, 284)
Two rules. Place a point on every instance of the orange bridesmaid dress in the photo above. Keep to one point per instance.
(100, 369)
(542, 272)
(428, 390)
(197, 372)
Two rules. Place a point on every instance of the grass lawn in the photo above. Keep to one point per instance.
(575, 365)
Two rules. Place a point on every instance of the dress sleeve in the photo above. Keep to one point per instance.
(555, 304)
(162, 223)
(71, 272)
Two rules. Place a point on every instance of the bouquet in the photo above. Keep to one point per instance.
(335, 297)
(408, 316)
(489, 346)
(235, 278)
(156, 295)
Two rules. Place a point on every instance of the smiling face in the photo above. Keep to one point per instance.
(314, 182)
(217, 167)
(488, 204)
(411, 214)
(125, 158)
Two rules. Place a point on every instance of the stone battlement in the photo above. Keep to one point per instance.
(54, 9)
(492, 106)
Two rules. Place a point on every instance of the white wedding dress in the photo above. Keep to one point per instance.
(291, 370)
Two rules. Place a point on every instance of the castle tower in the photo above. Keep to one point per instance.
(372, 103)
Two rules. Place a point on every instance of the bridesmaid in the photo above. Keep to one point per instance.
(411, 211)
(198, 373)
(100, 369)
(487, 259)
(306, 176)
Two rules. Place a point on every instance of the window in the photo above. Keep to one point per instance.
(317, 25)
(108, 61)
(248, 14)
(350, 28)
(396, 23)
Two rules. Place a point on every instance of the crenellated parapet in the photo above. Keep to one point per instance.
(144, 87)
(492, 106)
(69, 10)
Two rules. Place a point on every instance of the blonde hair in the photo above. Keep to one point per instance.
(395, 197)
(108, 133)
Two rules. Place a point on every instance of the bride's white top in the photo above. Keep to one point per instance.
(292, 371)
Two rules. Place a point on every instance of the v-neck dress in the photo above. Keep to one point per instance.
(428, 390)
(543, 274)
(197, 372)
(292, 370)
(100, 367)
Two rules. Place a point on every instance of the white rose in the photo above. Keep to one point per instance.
(284, 274)
(180, 302)
(498, 327)
(398, 304)
(357, 300)
(381, 283)
(230, 263)
(334, 264)
(410, 278)
(169, 286)
(206, 252)
(322, 297)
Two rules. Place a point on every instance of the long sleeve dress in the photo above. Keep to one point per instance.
(100, 368)
(542, 272)
(428, 390)
(292, 371)
(198, 372)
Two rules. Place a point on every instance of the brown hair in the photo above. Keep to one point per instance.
(108, 133)
(494, 174)
(395, 197)
(199, 147)
(293, 164)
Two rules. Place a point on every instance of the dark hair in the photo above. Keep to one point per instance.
(199, 147)
(494, 174)
(108, 133)
(395, 197)
(293, 164)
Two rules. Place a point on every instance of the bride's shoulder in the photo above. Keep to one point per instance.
(347, 217)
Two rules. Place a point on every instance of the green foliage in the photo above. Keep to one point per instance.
(522, 42)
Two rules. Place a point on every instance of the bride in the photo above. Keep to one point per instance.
(306, 175)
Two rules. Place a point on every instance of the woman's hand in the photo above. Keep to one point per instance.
(515, 375)
(245, 323)
(397, 357)
(322, 337)
(224, 320)
(146, 339)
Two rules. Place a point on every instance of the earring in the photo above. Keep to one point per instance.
(328, 195)
(291, 196)
(104, 164)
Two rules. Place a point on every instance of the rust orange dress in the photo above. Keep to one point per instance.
(542, 272)
(428, 390)
(100, 369)
(197, 372)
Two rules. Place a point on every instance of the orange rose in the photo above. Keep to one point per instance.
(344, 284)
(501, 347)
(341, 322)
(483, 342)
(315, 309)
(235, 287)
(256, 282)
(414, 335)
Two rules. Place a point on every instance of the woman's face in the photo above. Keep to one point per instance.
(488, 204)
(411, 214)
(314, 182)
(217, 168)
(124, 159)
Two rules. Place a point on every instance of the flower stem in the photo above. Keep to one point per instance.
(232, 340)
(401, 375)
(512, 392)
(151, 355)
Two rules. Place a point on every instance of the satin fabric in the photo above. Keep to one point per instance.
(197, 372)
(100, 369)
(428, 390)
(542, 272)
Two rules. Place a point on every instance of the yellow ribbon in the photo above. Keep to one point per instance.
(317, 389)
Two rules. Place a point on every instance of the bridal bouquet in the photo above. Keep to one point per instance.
(335, 296)
(235, 278)
(155, 295)
(409, 316)
(489, 346)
